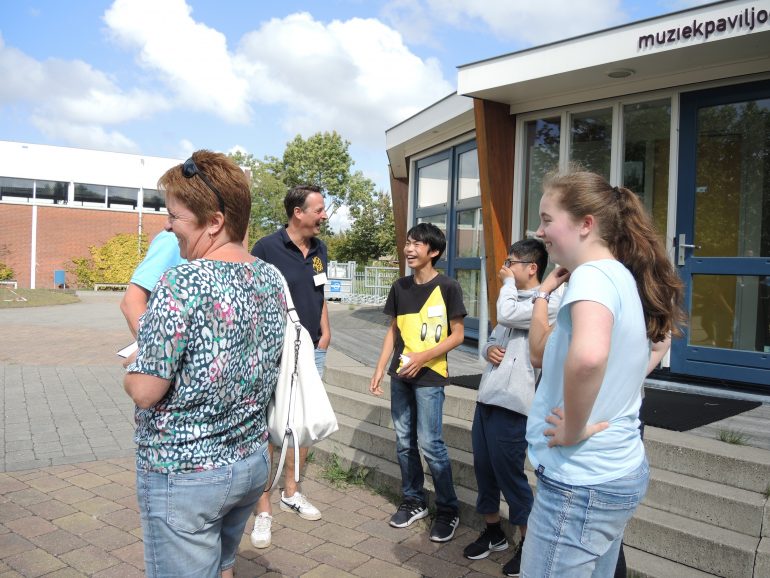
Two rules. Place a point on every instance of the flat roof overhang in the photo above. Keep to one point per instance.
(576, 70)
(449, 117)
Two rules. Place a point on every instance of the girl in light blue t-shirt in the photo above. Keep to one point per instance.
(582, 432)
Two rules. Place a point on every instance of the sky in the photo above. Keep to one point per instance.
(167, 77)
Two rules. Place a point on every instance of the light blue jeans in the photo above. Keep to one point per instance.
(417, 418)
(576, 531)
(193, 522)
(320, 361)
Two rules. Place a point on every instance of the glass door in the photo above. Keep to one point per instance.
(723, 233)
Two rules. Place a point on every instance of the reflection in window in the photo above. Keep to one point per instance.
(732, 189)
(85, 193)
(591, 140)
(122, 196)
(438, 220)
(154, 199)
(731, 312)
(469, 233)
(433, 184)
(55, 191)
(646, 150)
(542, 155)
(20, 188)
(468, 182)
(470, 281)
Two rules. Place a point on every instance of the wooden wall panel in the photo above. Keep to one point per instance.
(495, 132)
(399, 194)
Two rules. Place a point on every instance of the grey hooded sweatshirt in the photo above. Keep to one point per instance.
(511, 384)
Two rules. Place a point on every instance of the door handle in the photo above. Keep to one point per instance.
(682, 246)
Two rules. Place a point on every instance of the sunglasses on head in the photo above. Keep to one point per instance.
(190, 169)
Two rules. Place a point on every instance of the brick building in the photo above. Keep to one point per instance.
(56, 202)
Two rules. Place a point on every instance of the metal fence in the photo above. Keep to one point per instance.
(370, 286)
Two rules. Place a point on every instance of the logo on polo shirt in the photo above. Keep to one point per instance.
(318, 265)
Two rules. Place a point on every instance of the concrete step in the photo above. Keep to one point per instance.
(646, 565)
(692, 543)
(460, 402)
(385, 475)
(376, 410)
(738, 466)
(742, 467)
(716, 504)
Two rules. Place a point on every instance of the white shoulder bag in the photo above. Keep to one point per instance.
(299, 408)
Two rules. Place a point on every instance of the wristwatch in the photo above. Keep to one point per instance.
(541, 295)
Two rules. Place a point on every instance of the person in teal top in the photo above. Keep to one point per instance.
(162, 254)
(583, 428)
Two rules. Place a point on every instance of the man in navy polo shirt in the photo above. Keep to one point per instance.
(302, 259)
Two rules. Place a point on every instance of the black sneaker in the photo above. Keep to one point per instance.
(407, 513)
(444, 526)
(513, 566)
(492, 539)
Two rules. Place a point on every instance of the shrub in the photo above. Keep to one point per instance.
(6, 273)
(113, 262)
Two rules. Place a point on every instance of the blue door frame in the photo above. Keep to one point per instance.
(751, 367)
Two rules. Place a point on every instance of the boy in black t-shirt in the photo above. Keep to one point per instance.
(427, 310)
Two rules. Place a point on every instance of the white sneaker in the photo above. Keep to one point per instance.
(261, 534)
(299, 504)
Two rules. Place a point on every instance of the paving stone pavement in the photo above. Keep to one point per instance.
(67, 496)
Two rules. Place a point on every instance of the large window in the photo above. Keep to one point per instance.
(53, 191)
(91, 194)
(646, 152)
(154, 199)
(591, 140)
(19, 188)
(641, 164)
(122, 196)
(447, 194)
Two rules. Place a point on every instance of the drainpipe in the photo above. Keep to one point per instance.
(483, 304)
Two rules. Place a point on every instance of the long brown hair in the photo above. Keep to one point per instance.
(625, 226)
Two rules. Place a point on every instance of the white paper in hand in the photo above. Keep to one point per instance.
(128, 350)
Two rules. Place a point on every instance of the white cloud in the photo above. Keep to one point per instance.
(356, 76)
(531, 22)
(72, 101)
(185, 148)
(189, 57)
(84, 135)
(412, 20)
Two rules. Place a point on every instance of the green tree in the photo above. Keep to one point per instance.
(267, 193)
(113, 262)
(323, 160)
(372, 233)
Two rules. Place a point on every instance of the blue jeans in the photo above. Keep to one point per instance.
(320, 361)
(417, 418)
(576, 531)
(499, 450)
(193, 522)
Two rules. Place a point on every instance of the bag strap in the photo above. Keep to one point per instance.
(292, 315)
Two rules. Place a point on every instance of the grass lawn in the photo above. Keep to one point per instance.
(35, 297)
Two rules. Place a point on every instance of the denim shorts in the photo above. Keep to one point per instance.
(576, 531)
(320, 361)
(193, 522)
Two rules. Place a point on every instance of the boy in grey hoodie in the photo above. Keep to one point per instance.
(505, 395)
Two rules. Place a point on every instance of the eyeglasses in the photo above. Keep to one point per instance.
(190, 169)
(509, 262)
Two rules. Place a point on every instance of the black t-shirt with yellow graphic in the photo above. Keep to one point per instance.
(422, 315)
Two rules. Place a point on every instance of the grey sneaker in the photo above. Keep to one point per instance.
(444, 526)
(407, 513)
